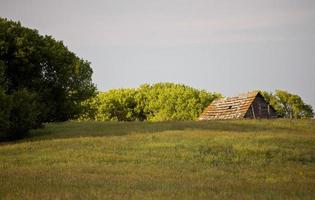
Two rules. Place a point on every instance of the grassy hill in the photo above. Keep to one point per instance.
(248, 159)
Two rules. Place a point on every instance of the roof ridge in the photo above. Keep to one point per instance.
(251, 94)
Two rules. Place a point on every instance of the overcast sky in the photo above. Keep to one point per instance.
(218, 45)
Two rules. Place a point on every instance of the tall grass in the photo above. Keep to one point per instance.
(247, 159)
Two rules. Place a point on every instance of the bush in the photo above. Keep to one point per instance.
(25, 112)
(5, 110)
(21, 113)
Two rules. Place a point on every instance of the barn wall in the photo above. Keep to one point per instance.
(260, 108)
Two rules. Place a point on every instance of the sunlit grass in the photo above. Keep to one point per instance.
(248, 159)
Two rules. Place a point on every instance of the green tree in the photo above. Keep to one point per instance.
(119, 105)
(288, 105)
(45, 71)
(169, 101)
(157, 102)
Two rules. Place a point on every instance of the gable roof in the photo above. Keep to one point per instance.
(230, 107)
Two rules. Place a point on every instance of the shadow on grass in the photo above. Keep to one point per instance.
(95, 129)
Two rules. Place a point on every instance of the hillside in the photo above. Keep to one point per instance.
(247, 159)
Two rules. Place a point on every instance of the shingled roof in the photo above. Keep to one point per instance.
(230, 107)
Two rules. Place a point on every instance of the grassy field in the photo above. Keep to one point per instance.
(245, 159)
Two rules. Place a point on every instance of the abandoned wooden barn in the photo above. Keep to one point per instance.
(250, 105)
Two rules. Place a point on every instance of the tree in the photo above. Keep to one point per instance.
(118, 105)
(169, 101)
(157, 102)
(288, 105)
(43, 70)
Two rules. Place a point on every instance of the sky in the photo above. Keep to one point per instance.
(222, 46)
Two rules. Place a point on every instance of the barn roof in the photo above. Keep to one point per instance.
(230, 107)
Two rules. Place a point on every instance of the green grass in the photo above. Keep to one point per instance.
(247, 159)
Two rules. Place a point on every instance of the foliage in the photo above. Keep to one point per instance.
(5, 104)
(219, 160)
(158, 102)
(25, 112)
(5, 108)
(43, 67)
(121, 105)
(288, 105)
(19, 112)
(169, 101)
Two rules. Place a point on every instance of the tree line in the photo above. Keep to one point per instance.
(41, 81)
(157, 102)
(170, 101)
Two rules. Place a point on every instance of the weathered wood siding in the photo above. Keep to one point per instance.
(260, 109)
